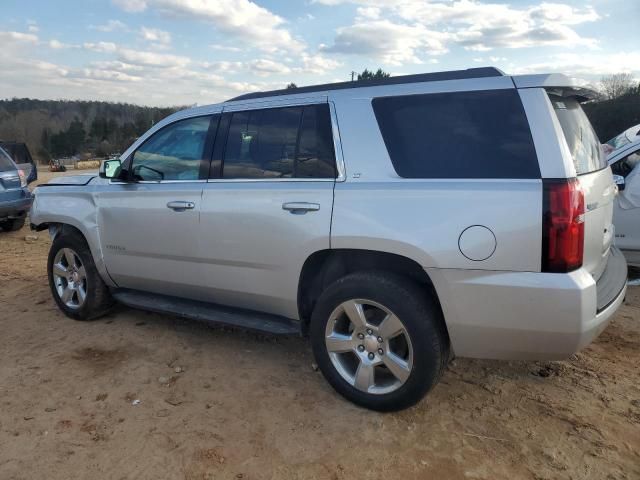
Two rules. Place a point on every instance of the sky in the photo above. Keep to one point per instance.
(186, 52)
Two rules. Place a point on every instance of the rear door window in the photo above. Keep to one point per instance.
(480, 134)
(581, 138)
(6, 164)
(288, 142)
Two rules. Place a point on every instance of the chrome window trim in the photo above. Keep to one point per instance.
(119, 182)
(337, 144)
(274, 103)
(254, 180)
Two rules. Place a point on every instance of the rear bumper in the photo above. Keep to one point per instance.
(16, 208)
(526, 315)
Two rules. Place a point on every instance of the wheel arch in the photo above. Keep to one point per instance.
(71, 226)
(326, 266)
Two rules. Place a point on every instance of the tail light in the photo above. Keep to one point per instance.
(23, 178)
(562, 225)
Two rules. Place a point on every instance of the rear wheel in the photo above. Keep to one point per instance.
(12, 225)
(379, 340)
(74, 280)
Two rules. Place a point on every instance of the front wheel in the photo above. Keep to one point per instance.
(379, 340)
(74, 280)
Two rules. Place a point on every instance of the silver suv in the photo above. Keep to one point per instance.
(395, 222)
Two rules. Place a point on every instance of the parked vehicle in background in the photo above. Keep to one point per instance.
(55, 165)
(15, 197)
(625, 165)
(394, 221)
(628, 136)
(21, 156)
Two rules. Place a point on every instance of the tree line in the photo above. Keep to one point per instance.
(61, 128)
(618, 106)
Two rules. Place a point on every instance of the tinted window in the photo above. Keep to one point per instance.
(291, 142)
(6, 164)
(626, 165)
(481, 134)
(174, 153)
(316, 157)
(581, 138)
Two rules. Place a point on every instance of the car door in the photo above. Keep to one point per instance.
(268, 205)
(148, 225)
(626, 213)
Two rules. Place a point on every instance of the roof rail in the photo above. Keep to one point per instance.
(400, 79)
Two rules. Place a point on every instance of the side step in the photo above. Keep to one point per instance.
(207, 312)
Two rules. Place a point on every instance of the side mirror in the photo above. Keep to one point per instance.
(619, 181)
(109, 168)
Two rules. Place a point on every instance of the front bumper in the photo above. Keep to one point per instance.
(527, 315)
(17, 208)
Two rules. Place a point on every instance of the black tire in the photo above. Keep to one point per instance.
(12, 225)
(423, 322)
(98, 298)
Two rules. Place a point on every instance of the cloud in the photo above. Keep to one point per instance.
(137, 77)
(58, 45)
(152, 59)
(110, 26)
(110, 75)
(101, 47)
(7, 38)
(317, 64)
(155, 35)
(243, 19)
(131, 5)
(405, 30)
(225, 48)
(390, 42)
(590, 67)
(265, 67)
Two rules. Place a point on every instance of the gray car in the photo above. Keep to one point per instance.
(395, 222)
(15, 197)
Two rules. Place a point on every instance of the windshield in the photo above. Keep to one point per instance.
(581, 138)
(6, 164)
(619, 141)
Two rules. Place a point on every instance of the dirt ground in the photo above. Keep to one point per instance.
(136, 395)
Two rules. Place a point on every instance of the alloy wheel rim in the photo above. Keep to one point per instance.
(69, 278)
(369, 346)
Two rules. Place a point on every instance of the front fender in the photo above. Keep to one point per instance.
(75, 207)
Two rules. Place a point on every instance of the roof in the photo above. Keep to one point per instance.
(400, 79)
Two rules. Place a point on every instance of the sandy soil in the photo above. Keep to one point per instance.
(216, 403)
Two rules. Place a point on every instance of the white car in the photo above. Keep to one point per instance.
(626, 212)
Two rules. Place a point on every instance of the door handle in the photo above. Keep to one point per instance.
(180, 206)
(299, 208)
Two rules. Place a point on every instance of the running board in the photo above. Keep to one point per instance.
(208, 312)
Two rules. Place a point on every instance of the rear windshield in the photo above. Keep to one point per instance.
(479, 134)
(6, 164)
(582, 139)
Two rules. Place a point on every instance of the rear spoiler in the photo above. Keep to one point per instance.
(557, 84)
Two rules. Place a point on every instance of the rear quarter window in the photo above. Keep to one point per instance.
(480, 134)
